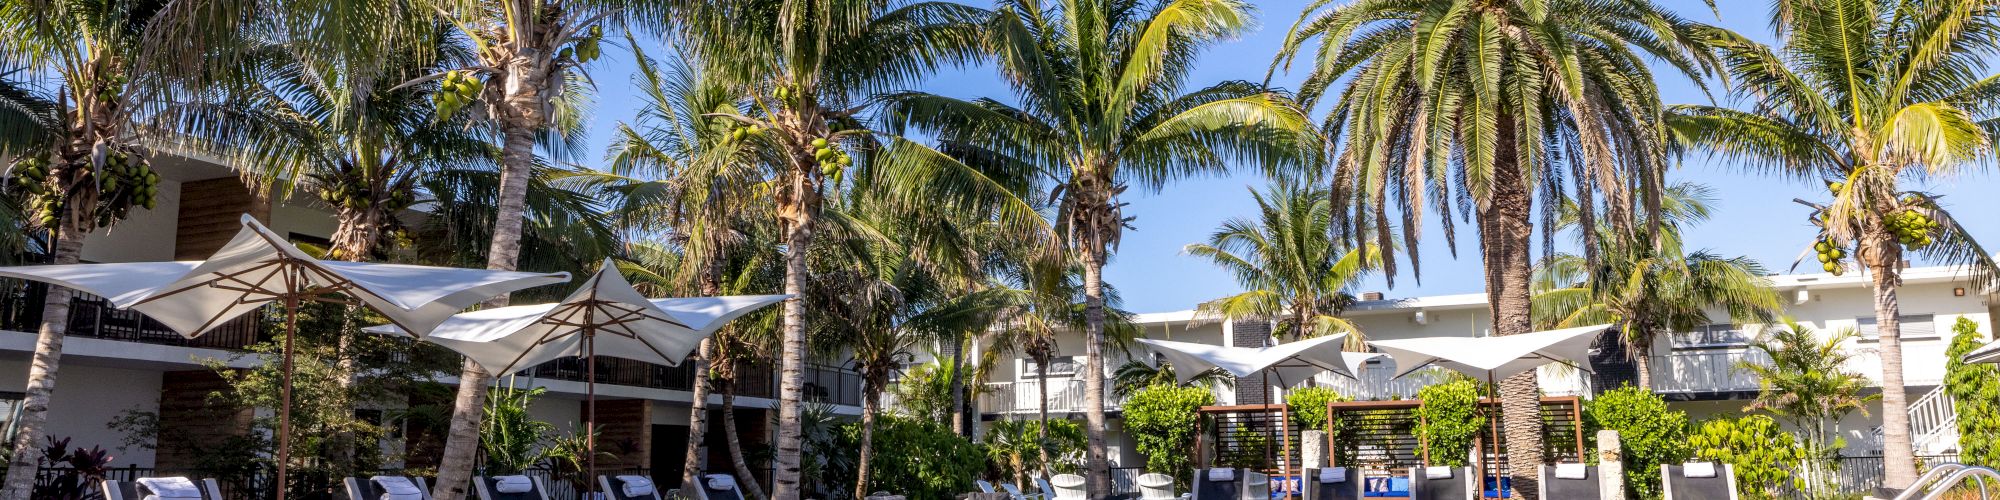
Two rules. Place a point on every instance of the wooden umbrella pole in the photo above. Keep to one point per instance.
(1493, 423)
(285, 393)
(590, 424)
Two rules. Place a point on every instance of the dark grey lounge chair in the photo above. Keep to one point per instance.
(488, 488)
(1679, 486)
(613, 488)
(1205, 489)
(369, 488)
(133, 490)
(1457, 487)
(1348, 488)
(1566, 488)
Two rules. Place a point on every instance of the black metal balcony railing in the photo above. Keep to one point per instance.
(824, 383)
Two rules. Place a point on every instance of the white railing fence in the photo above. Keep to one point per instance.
(1708, 370)
(1065, 395)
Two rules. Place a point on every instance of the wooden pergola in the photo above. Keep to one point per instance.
(1380, 436)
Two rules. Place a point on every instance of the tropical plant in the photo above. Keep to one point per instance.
(1651, 288)
(1290, 263)
(1163, 421)
(1022, 448)
(1490, 105)
(1806, 384)
(1975, 395)
(1867, 96)
(82, 471)
(919, 459)
(1136, 375)
(1450, 420)
(1761, 453)
(1649, 433)
(1103, 108)
(512, 440)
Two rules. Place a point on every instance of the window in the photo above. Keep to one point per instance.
(1059, 366)
(10, 413)
(1913, 326)
(1715, 335)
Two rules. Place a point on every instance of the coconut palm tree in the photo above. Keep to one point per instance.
(1104, 106)
(1867, 97)
(1651, 289)
(1136, 374)
(810, 69)
(1489, 105)
(1290, 263)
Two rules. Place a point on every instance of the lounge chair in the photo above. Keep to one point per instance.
(628, 488)
(1332, 483)
(510, 488)
(162, 488)
(984, 485)
(1157, 486)
(1699, 481)
(1069, 487)
(1043, 487)
(1015, 493)
(1218, 484)
(1577, 481)
(1442, 483)
(379, 487)
(1256, 485)
(719, 487)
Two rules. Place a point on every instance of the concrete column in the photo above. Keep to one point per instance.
(1312, 449)
(1610, 466)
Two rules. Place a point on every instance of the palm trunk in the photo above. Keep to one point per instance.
(1642, 362)
(1042, 372)
(743, 476)
(462, 443)
(798, 237)
(697, 451)
(871, 403)
(1505, 233)
(25, 463)
(959, 425)
(353, 240)
(1899, 461)
(1097, 483)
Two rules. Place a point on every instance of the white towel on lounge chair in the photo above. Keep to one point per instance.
(1221, 474)
(636, 486)
(1437, 472)
(722, 482)
(1333, 475)
(164, 488)
(1698, 469)
(513, 484)
(1572, 471)
(397, 488)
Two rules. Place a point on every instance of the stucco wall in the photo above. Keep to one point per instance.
(88, 398)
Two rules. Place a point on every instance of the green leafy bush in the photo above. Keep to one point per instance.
(914, 458)
(1650, 433)
(1976, 389)
(1163, 421)
(1308, 407)
(1762, 453)
(1016, 447)
(1449, 420)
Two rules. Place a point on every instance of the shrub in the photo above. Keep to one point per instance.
(1016, 446)
(1650, 433)
(1163, 421)
(914, 458)
(1976, 389)
(1308, 407)
(1449, 420)
(1761, 453)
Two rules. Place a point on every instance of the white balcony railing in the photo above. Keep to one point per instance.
(1065, 396)
(1707, 370)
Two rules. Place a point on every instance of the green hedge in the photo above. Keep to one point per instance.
(1308, 407)
(1976, 390)
(1163, 421)
(914, 458)
(1650, 433)
(1449, 421)
(1762, 453)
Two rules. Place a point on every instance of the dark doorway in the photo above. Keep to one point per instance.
(669, 454)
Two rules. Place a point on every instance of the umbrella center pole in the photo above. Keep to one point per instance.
(1493, 421)
(285, 392)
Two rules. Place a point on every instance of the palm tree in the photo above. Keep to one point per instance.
(1490, 104)
(1136, 375)
(1651, 289)
(1867, 95)
(1290, 263)
(810, 68)
(1806, 383)
(1103, 107)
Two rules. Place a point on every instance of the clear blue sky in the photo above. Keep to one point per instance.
(1756, 217)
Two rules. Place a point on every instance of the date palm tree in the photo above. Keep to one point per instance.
(1868, 96)
(1104, 106)
(1291, 264)
(1489, 105)
(1651, 289)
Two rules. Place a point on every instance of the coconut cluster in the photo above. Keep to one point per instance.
(459, 88)
(586, 48)
(124, 178)
(1829, 256)
(349, 193)
(1912, 228)
(831, 157)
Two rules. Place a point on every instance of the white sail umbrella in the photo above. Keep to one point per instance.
(258, 268)
(1493, 358)
(1294, 361)
(605, 314)
(1988, 354)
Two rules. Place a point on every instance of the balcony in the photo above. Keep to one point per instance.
(1705, 371)
(1065, 396)
(91, 316)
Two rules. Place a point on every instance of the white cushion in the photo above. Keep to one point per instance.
(636, 486)
(722, 482)
(1221, 474)
(1437, 472)
(163, 488)
(397, 488)
(1572, 471)
(1333, 475)
(1698, 469)
(513, 484)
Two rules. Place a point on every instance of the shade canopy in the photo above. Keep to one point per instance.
(1493, 357)
(258, 267)
(1988, 354)
(622, 322)
(1293, 361)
